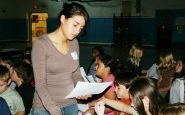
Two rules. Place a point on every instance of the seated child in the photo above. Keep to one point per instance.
(105, 69)
(134, 62)
(12, 98)
(144, 97)
(177, 89)
(91, 69)
(22, 76)
(122, 82)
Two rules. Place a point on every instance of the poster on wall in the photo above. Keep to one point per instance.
(39, 25)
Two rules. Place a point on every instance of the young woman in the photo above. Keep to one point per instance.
(55, 60)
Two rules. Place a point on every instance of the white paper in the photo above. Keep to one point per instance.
(86, 88)
(82, 71)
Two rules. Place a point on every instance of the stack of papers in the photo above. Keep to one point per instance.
(86, 88)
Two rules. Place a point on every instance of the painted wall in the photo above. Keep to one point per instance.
(13, 21)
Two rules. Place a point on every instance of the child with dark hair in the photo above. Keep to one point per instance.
(177, 88)
(105, 69)
(22, 76)
(122, 83)
(91, 72)
(144, 97)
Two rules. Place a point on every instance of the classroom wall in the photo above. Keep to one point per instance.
(13, 20)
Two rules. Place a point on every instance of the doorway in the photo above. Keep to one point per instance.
(164, 19)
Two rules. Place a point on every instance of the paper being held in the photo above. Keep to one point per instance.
(86, 88)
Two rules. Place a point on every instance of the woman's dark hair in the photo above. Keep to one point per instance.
(141, 87)
(71, 9)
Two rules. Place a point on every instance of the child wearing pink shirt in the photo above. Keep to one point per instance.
(106, 66)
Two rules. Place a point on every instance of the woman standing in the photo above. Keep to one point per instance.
(55, 59)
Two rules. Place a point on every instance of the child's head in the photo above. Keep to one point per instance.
(4, 78)
(23, 71)
(122, 83)
(106, 64)
(166, 60)
(136, 51)
(173, 109)
(180, 67)
(141, 88)
(96, 51)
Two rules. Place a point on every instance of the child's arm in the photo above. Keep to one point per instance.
(109, 95)
(120, 106)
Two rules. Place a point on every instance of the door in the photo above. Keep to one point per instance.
(164, 20)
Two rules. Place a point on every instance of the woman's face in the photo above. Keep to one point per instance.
(71, 27)
(179, 66)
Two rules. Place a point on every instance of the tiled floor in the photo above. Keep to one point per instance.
(150, 56)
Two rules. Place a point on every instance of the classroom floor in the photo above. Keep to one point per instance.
(150, 55)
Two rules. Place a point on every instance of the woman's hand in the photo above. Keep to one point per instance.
(84, 97)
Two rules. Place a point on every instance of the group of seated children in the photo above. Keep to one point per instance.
(136, 93)
(131, 91)
(16, 87)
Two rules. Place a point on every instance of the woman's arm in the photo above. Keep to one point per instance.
(77, 75)
(39, 68)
